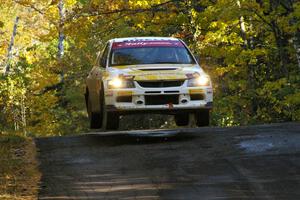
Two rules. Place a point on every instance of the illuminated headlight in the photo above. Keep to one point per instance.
(199, 81)
(120, 83)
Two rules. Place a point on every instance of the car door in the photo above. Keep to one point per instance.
(94, 79)
(103, 61)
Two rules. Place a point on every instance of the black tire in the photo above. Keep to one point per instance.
(182, 119)
(202, 118)
(86, 97)
(95, 118)
(95, 121)
(112, 121)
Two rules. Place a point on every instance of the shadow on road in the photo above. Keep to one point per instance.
(117, 140)
(257, 162)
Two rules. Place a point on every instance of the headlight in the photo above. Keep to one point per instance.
(120, 83)
(115, 83)
(199, 81)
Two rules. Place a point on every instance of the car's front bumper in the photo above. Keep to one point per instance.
(156, 110)
(168, 99)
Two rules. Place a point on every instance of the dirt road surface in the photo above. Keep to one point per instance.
(255, 162)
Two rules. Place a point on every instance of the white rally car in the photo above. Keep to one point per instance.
(147, 75)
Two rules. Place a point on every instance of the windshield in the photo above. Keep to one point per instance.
(150, 53)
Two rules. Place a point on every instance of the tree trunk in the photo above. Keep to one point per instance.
(251, 79)
(10, 47)
(61, 37)
(242, 26)
(296, 44)
(23, 114)
(281, 51)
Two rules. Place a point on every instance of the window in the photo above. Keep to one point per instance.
(104, 56)
(150, 55)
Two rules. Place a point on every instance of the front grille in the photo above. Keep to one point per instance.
(161, 99)
(160, 84)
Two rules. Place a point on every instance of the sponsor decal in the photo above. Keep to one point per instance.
(141, 44)
(192, 75)
(109, 93)
(197, 91)
(124, 93)
(126, 77)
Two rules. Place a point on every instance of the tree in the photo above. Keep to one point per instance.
(250, 48)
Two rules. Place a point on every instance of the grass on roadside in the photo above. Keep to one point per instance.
(19, 175)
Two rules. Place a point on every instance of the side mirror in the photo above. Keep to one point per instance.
(103, 63)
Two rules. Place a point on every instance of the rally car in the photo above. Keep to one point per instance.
(147, 75)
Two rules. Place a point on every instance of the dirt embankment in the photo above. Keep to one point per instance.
(19, 175)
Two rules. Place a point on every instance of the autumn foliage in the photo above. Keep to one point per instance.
(250, 48)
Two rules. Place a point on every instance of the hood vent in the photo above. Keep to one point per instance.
(156, 69)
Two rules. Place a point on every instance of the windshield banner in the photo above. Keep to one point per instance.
(141, 44)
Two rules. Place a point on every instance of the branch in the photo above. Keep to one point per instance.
(286, 7)
(131, 11)
(40, 11)
(30, 6)
(11, 45)
(259, 16)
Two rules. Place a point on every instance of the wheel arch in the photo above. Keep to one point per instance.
(94, 90)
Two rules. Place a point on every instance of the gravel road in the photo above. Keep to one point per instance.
(253, 162)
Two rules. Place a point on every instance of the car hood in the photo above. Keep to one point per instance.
(157, 71)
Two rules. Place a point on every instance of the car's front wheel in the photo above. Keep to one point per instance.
(110, 119)
(202, 118)
(182, 119)
(94, 117)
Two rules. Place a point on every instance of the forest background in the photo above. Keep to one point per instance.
(250, 48)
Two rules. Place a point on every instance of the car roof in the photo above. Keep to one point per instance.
(142, 38)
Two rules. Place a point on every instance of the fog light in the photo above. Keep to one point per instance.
(139, 102)
(184, 101)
